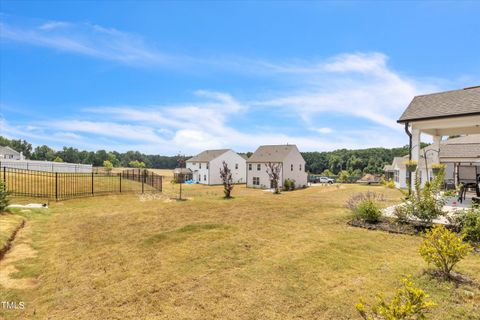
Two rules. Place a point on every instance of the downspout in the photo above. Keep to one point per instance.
(409, 174)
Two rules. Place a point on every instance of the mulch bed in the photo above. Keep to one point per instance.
(391, 226)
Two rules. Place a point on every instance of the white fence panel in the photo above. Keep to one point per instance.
(47, 166)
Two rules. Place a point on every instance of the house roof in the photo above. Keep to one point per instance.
(388, 167)
(461, 147)
(182, 171)
(446, 104)
(8, 150)
(272, 153)
(207, 155)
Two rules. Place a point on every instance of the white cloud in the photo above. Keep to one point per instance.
(87, 39)
(359, 89)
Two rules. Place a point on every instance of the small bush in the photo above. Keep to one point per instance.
(444, 249)
(368, 211)
(402, 214)
(390, 184)
(409, 302)
(353, 202)
(4, 201)
(468, 224)
(288, 185)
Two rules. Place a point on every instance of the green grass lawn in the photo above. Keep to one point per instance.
(257, 256)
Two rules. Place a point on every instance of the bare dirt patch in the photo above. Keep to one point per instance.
(17, 252)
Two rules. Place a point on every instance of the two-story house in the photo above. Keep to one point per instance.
(287, 156)
(206, 166)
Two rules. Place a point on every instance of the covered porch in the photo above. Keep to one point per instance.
(447, 114)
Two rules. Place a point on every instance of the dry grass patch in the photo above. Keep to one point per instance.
(257, 256)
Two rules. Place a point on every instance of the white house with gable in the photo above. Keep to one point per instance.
(291, 162)
(206, 166)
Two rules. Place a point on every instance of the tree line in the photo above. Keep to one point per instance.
(356, 162)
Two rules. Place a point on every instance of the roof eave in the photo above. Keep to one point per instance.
(439, 117)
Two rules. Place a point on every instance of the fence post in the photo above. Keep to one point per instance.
(92, 183)
(120, 176)
(56, 186)
(143, 179)
(5, 175)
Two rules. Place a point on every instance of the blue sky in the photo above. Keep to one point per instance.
(168, 77)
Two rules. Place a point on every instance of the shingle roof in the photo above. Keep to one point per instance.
(443, 104)
(8, 150)
(462, 147)
(272, 153)
(207, 155)
(182, 171)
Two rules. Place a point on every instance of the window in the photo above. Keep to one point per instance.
(200, 166)
(291, 167)
(396, 175)
(300, 167)
(207, 165)
(256, 181)
(249, 167)
(204, 177)
(236, 166)
(259, 167)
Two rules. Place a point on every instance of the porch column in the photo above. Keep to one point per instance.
(415, 149)
(436, 153)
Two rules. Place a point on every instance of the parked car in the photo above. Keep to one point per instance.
(317, 179)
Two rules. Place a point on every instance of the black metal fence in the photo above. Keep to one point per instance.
(59, 185)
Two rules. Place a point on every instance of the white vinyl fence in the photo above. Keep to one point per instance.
(46, 166)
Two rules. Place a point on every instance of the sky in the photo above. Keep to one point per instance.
(180, 77)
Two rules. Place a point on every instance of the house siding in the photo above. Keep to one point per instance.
(212, 174)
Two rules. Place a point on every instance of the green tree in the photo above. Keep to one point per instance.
(136, 164)
(108, 166)
(58, 159)
(44, 153)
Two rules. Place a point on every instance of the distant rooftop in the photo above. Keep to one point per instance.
(272, 153)
(207, 155)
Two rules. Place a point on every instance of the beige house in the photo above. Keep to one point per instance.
(442, 114)
(8, 153)
(287, 156)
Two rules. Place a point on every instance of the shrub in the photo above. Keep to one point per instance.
(468, 224)
(444, 249)
(107, 165)
(409, 302)
(401, 213)
(426, 204)
(390, 184)
(368, 211)
(343, 176)
(353, 202)
(4, 201)
(288, 185)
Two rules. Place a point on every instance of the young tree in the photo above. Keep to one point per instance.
(58, 159)
(444, 249)
(273, 171)
(227, 180)
(108, 166)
